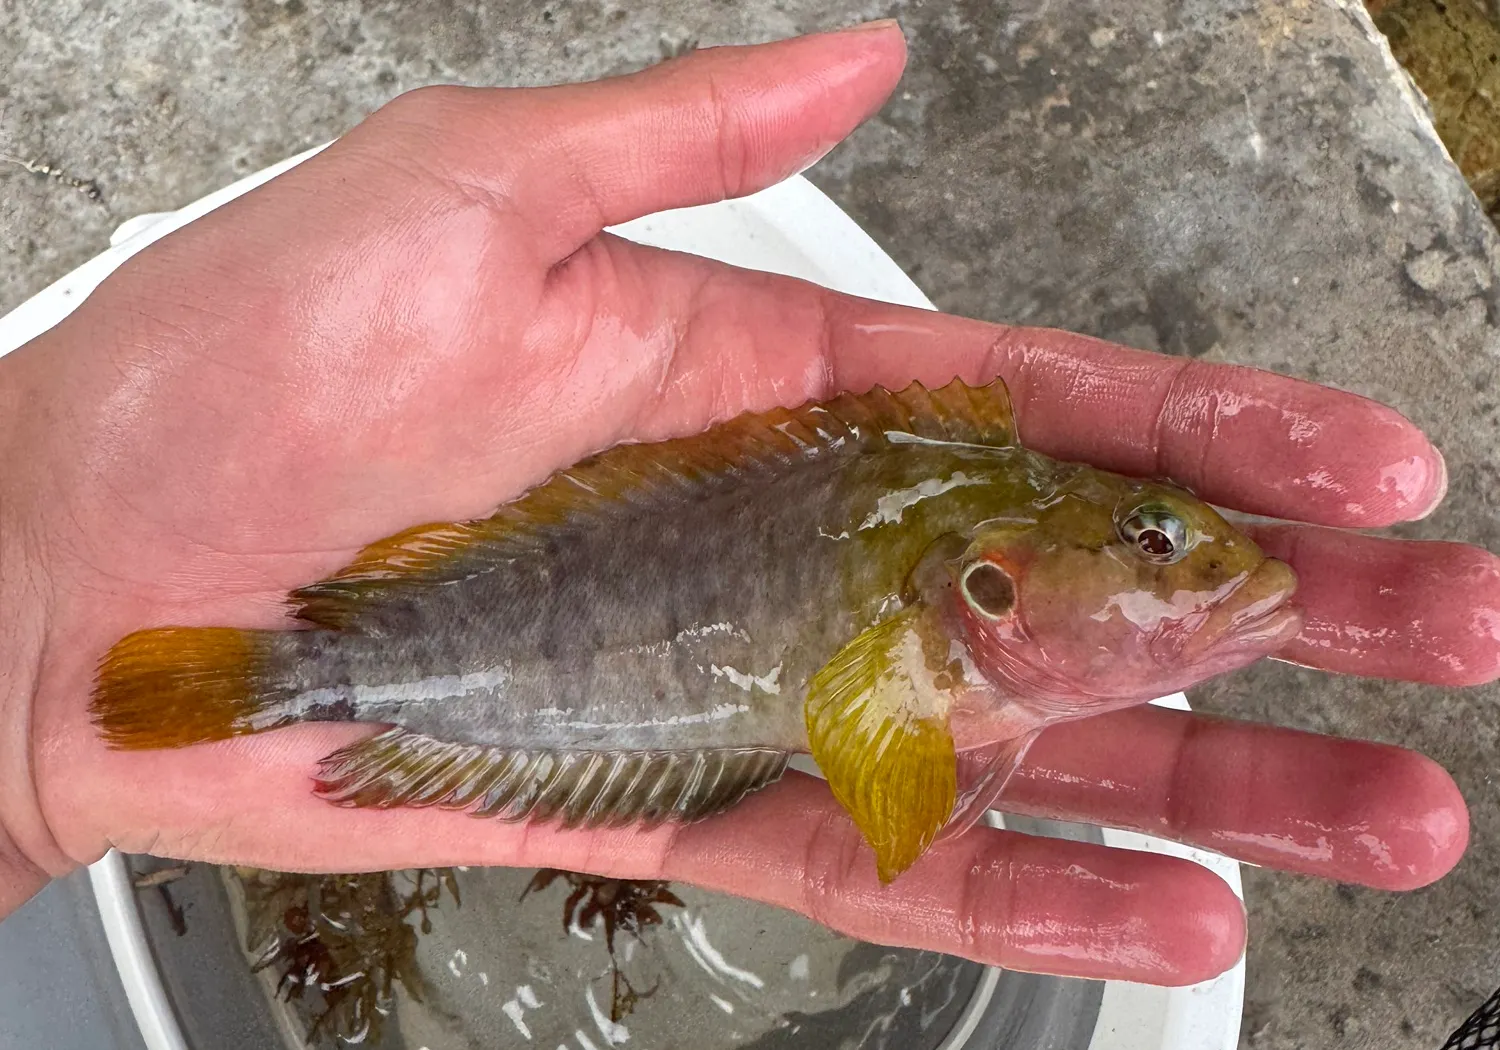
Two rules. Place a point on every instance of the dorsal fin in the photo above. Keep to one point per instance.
(579, 789)
(638, 475)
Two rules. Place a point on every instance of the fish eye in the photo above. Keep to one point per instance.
(988, 589)
(1158, 535)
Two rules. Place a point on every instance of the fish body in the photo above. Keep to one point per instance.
(695, 628)
(886, 582)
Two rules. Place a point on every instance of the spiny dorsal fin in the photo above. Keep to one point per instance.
(638, 475)
(580, 789)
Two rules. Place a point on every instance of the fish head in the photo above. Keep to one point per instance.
(1110, 591)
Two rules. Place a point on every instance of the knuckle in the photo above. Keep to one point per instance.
(831, 848)
(1179, 818)
(433, 104)
(432, 127)
(729, 139)
(1183, 413)
(983, 911)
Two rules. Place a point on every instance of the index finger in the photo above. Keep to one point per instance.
(1239, 437)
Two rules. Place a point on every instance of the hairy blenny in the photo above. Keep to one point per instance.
(887, 581)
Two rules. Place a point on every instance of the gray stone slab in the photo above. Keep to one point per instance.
(1237, 180)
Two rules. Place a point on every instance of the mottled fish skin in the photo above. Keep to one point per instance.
(693, 625)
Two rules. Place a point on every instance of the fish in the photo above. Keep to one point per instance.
(888, 582)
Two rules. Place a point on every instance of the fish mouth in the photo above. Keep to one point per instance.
(1257, 616)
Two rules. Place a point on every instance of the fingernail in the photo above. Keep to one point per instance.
(1439, 487)
(879, 23)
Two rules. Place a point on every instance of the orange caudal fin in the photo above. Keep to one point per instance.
(176, 686)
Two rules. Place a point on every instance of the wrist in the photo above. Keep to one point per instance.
(22, 630)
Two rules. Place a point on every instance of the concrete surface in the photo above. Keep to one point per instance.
(1243, 180)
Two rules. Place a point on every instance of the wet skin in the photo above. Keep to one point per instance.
(424, 320)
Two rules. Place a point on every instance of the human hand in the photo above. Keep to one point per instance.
(424, 320)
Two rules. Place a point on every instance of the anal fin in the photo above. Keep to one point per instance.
(578, 789)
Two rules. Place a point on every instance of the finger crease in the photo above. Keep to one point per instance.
(1177, 811)
(1161, 433)
(1001, 360)
(726, 131)
(966, 917)
(817, 884)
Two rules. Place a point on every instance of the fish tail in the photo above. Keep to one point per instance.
(176, 686)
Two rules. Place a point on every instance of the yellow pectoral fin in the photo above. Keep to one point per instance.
(878, 726)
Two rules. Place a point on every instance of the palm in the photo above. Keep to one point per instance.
(407, 328)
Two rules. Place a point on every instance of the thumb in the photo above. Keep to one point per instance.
(722, 122)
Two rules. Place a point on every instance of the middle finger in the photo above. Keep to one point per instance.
(1420, 611)
(1349, 810)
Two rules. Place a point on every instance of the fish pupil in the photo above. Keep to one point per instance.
(1156, 543)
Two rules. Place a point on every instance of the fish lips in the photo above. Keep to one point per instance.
(1255, 619)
